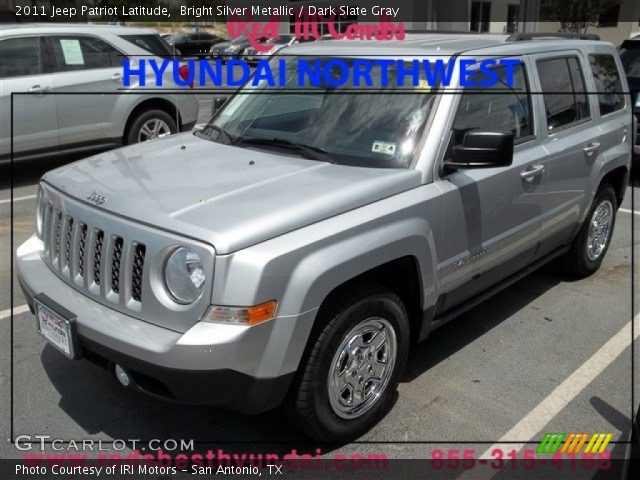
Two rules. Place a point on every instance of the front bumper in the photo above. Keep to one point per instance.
(210, 364)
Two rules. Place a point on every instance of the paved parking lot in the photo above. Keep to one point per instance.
(548, 354)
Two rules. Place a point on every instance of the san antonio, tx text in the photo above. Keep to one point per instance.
(142, 469)
(332, 72)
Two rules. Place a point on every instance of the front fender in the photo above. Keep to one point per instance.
(301, 268)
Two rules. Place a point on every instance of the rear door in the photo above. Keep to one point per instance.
(493, 215)
(572, 137)
(88, 72)
(24, 70)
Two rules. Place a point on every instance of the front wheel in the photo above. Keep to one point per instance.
(590, 245)
(149, 125)
(348, 378)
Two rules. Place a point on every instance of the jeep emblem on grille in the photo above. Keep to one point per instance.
(96, 198)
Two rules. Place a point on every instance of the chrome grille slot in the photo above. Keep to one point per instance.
(68, 241)
(116, 258)
(82, 244)
(97, 256)
(137, 269)
(57, 219)
(47, 230)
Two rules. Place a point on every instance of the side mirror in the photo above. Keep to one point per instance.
(218, 103)
(482, 150)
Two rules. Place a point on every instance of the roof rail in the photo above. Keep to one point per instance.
(522, 37)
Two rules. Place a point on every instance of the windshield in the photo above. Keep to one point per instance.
(154, 44)
(348, 125)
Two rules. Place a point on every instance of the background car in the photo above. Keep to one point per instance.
(630, 56)
(252, 54)
(193, 44)
(61, 90)
(232, 49)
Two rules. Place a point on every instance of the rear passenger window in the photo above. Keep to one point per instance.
(20, 57)
(83, 53)
(608, 84)
(500, 109)
(564, 92)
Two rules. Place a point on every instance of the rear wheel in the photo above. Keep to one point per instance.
(149, 125)
(348, 378)
(590, 245)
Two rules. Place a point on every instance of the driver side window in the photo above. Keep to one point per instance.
(500, 108)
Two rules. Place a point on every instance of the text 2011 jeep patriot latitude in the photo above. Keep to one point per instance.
(291, 251)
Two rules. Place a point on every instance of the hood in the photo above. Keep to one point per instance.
(229, 197)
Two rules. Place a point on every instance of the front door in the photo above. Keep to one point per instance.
(492, 215)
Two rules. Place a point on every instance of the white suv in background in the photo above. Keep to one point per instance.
(91, 109)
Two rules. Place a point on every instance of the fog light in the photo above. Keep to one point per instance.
(122, 376)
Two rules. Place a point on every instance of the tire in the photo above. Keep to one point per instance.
(581, 261)
(147, 117)
(308, 405)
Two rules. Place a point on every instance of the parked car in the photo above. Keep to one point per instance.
(630, 56)
(194, 44)
(285, 255)
(251, 54)
(65, 85)
(232, 49)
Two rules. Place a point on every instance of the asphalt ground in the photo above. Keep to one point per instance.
(549, 354)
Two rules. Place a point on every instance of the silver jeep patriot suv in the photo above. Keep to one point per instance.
(293, 250)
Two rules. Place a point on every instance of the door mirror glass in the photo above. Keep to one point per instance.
(482, 150)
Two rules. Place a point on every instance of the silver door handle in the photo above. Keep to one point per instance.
(590, 149)
(116, 77)
(532, 173)
(39, 89)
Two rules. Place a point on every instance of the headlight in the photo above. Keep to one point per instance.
(184, 275)
(39, 214)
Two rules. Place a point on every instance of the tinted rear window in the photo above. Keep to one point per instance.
(563, 90)
(608, 83)
(153, 44)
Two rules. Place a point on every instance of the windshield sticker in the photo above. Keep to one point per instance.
(72, 52)
(387, 148)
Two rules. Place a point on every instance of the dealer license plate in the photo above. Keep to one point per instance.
(55, 328)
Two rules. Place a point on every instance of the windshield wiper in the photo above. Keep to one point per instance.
(309, 151)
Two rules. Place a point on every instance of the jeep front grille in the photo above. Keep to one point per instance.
(117, 261)
(93, 258)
